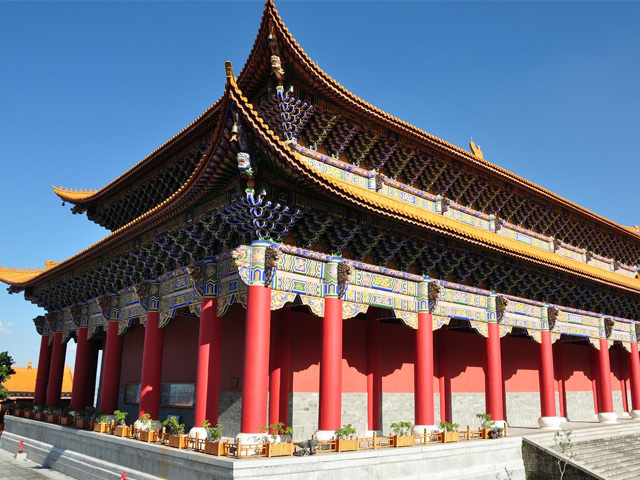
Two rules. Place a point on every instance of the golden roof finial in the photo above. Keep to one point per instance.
(476, 150)
(29, 365)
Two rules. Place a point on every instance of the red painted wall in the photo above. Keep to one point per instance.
(466, 362)
(397, 347)
(520, 364)
(133, 343)
(577, 367)
(232, 346)
(180, 350)
(397, 357)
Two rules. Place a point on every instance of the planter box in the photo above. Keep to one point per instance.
(448, 437)
(148, 436)
(485, 433)
(52, 418)
(28, 414)
(40, 416)
(121, 431)
(279, 449)
(19, 413)
(214, 448)
(84, 424)
(347, 445)
(179, 441)
(101, 427)
(68, 421)
(403, 441)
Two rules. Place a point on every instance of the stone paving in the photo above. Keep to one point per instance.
(12, 469)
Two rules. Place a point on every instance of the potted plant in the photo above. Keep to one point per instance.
(487, 424)
(82, 421)
(52, 414)
(403, 436)
(27, 410)
(20, 409)
(146, 430)
(66, 418)
(346, 438)
(177, 438)
(278, 440)
(40, 412)
(120, 429)
(212, 444)
(449, 432)
(100, 423)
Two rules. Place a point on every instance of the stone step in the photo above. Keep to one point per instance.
(615, 464)
(621, 472)
(604, 451)
(626, 475)
(607, 454)
(588, 438)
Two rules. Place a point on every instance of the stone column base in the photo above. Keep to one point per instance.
(199, 431)
(325, 434)
(420, 429)
(607, 417)
(635, 414)
(625, 415)
(369, 433)
(250, 438)
(550, 423)
(499, 423)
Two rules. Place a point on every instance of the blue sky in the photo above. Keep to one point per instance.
(87, 89)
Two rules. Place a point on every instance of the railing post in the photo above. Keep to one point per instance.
(375, 441)
(468, 432)
(238, 449)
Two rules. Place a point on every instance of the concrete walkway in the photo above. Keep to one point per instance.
(12, 469)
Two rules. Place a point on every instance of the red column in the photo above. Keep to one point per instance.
(604, 370)
(42, 376)
(255, 382)
(209, 363)
(56, 371)
(559, 367)
(444, 377)
(423, 371)
(279, 367)
(374, 380)
(81, 371)
(634, 378)
(493, 357)
(329, 415)
(111, 374)
(549, 417)
(151, 381)
(94, 350)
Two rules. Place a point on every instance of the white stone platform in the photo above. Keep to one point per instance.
(93, 456)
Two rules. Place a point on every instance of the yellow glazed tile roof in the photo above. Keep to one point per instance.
(11, 275)
(402, 211)
(22, 277)
(76, 196)
(24, 380)
(420, 134)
